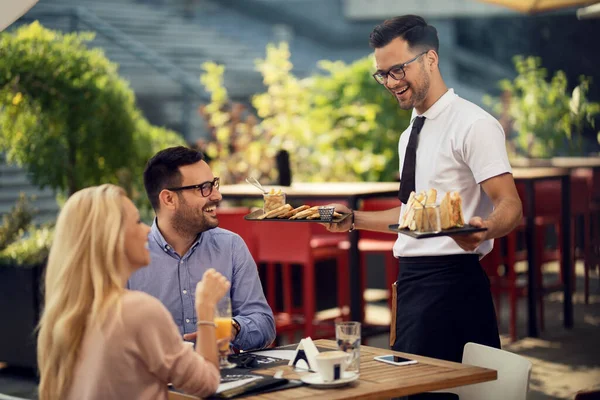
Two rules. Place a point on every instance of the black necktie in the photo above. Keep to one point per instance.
(407, 181)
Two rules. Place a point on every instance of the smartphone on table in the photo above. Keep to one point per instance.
(395, 360)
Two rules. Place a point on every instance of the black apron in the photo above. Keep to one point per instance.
(443, 302)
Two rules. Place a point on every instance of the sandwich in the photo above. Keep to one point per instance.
(451, 211)
(414, 217)
(408, 213)
(423, 212)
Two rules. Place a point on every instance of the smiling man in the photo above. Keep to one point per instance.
(185, 242)
(443, 295)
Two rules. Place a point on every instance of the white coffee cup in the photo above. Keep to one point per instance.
(332, 364)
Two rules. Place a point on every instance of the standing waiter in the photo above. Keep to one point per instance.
(443, 295)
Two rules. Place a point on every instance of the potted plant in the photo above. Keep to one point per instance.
(547, 119)
(23, 254)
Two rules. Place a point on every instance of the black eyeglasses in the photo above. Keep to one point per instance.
(397, 71)
(205, 188)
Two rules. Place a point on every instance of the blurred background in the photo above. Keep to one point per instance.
(89, 90)
(295, 74)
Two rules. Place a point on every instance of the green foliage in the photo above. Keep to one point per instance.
(339, 126)
(20, 244)
(370, 113)
(67, 116)
(16, 221)
(31, 249)
(548, 120)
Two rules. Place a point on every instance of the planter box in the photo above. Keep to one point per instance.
(20, 300)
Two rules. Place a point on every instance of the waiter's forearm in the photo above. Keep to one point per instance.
(506, 216)
(376, 220)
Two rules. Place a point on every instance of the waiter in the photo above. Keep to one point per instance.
(443, 295)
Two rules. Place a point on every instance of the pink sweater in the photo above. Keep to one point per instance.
(135, 356)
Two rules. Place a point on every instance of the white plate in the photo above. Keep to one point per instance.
(316, 380)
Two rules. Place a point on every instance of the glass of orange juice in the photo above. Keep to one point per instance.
(223, 332)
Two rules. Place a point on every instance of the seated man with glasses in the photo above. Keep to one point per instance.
(185, 241)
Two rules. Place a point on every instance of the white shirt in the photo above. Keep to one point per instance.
(460, 146)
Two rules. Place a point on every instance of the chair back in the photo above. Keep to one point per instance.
(513, 374)
(283, 242)
(232, 219)
(548, 197)
(493, 260)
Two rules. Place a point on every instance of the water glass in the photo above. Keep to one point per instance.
(431, 220)
(347, 336)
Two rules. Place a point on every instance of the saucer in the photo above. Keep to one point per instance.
(317, 381)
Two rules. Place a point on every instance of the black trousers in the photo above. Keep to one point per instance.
(443, 302)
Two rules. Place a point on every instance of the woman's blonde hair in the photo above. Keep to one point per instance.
(84, 281)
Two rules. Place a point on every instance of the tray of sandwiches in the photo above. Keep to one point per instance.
(304, 213)
(424, 218)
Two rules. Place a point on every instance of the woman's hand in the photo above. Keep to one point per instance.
(211, 288)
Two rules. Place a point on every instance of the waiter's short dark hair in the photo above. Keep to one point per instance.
(412, 28)
(162, 170)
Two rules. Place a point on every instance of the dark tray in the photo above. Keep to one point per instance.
(253, 216)
(465, 230)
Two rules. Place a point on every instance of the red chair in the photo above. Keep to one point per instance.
(232, 219)
(591, 223)
(288, 243)
(378, 243)
(505, 280)
(547, 212)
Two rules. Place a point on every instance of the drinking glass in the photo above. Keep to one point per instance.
(347, 336)
(223, 331)
(431, 220)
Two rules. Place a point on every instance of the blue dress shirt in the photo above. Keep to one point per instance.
(172, 279)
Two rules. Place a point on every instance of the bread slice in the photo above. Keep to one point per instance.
(451, 211)
(408, 210)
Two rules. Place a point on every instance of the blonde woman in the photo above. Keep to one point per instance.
(98, 340)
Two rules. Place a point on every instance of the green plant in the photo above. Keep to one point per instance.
(548, 119)
(349, 89)
(20, 243)
(67, 116)
(31, 249)
(16, 221)
(332, 124)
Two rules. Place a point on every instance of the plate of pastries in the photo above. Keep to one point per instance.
(303, 213)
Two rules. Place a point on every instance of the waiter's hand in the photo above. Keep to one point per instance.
(472, 241)
(343, 226)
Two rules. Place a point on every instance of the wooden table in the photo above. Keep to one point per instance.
(575, 162)
(350, 192)
(379, 380)
(558, 162)
(528, 176)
